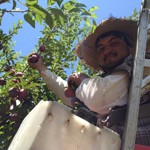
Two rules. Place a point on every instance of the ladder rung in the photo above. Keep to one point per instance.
(146, 4)
(147, 62)
(148, 27)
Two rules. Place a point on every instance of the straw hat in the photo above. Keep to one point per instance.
(86, 49)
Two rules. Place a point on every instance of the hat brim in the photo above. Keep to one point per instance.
(87, 46)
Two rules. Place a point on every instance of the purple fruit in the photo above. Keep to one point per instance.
(13, 92)
(19, 74)
(42, 48)
(22, 93)
(8, 68)
(12, 72)
(2, 81)
(33, 58)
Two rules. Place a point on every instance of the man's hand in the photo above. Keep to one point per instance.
(75, 80)
(36, 62)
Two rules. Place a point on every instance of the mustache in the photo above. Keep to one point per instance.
(109, 54)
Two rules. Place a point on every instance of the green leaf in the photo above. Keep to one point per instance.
(93, 9)
(32, 85)
(59, 2)
(14, 4)
(94, 26)
(80, 5)
(59, 17)
(49, 20)
(38, 10)
(51, 2)
(30, 20)
(45, 15)
(93, 16)
(68, 5)
(94, 23)
(87, 21)
(20, 22)
(38, 18)
(57, 11)
(75, 10)
(86, 13)
(31, 2)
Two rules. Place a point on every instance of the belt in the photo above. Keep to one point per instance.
(86, 114)
(116, 115)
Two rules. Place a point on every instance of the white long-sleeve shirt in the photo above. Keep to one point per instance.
(57, 85)
(98, 94)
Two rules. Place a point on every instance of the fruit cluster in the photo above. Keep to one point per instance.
(19, 93)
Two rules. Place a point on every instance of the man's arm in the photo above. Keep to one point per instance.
(54, 82)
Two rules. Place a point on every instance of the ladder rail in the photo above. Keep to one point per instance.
(147, 62)
(134, 95)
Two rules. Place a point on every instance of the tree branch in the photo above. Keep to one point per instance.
(3, 1)
(15, 10)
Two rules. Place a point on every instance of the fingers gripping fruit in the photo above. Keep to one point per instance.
(33, 58)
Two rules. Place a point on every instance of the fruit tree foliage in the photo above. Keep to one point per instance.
(21, 88)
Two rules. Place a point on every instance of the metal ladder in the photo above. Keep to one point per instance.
(140, 62)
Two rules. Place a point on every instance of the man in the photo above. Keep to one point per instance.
(108, 49)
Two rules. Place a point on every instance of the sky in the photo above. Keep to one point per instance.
(27, 37)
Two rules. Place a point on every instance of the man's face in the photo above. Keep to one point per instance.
(111, 51)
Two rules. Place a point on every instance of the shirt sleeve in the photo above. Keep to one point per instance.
(100, 94)
(56, 84)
